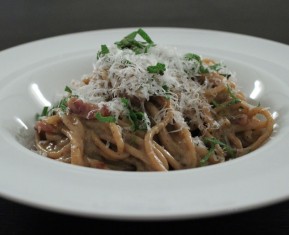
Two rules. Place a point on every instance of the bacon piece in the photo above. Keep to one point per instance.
(86, 110)
(44, 126)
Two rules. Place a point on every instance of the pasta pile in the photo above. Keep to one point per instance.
(145, 107)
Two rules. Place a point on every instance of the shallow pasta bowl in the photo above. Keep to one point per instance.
(33, 74)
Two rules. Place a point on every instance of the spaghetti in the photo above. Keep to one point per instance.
(144, 107)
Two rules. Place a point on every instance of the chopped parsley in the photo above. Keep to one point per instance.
(216, 67)
(145, 36)
(101, 118)
(207, 69)
(44, 113)
(226, 75)
(130, 42)
(234, 100)
(167, 92)
(204, 160)
(136, 118)
(191, 56)
(202, 68)
(103, 51)
(67, 89)
(215, 104)
(159, 68)
(213, 142)
(63, 104)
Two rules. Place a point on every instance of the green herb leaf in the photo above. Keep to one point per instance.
(215, 104)
(159, 68)
(125, 102)
(166, 88)
(131, 36)
(204, 160)
(67, 89)
(101, 118)
(145, 36)
(191, 56)
(228, 149)
(213, 142)
(44, 113)
(216, 67)
(234, 100)
(130, 42)
(63, 104)
(136, 118)
(203, 69)
(126, 62)
(167, 94)
(226, 75)
(103, 51)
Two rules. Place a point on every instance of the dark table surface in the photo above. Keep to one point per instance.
(24, 21)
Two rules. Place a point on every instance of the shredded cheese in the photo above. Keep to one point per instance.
(123, 73)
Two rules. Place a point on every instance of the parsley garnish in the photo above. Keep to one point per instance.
(125, 102)
(228, 149)
(101, 118)
(44, 113)
(167, 93)
(103, 51)
(234, 100)
(205, 159)
(203, 69)
(145, 36)
(208, 69)
(67, 89)
(213, 142)
(215, 104)
(216, 67)
(226, 75)
(130, 42)
(63, 104)
(136, 118)
(191, 56)
(159, 68)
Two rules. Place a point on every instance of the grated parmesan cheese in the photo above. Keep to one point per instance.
(123, 73)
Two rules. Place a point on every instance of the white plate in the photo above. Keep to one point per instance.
(257, 179)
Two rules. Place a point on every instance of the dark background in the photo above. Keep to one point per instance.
(28, 20)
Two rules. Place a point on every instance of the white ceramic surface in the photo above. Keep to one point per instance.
(32, 74)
